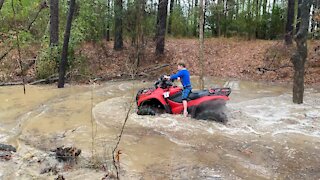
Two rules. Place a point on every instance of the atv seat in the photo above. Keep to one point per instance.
(177, 97)
(198, 94)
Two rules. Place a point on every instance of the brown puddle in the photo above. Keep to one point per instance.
(267, 137)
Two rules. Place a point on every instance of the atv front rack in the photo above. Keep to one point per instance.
(220, 91)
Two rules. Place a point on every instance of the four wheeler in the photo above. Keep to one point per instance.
(164, 97)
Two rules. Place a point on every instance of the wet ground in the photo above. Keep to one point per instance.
(267, 136)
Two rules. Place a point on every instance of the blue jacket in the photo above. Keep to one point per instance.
(184, 77)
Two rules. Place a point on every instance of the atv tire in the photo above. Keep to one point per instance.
(146, 110)
(212, 115)
(213, 110)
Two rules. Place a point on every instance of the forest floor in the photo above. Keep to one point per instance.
(257, 60)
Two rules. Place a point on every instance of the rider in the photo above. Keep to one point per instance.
(184, 76)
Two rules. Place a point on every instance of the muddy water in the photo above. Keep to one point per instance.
(267, 137)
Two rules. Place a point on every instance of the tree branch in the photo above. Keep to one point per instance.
(119, 139)
(6, 53)
(265, 69)
(43, 5)
(19, 50)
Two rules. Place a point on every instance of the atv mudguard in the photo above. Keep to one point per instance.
(154, 100)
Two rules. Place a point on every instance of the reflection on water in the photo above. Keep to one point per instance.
(267, 136)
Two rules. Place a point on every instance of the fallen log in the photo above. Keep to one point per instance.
(11, 83)
(262, 70)
(45, 81)
(48, 80)
(155, 68)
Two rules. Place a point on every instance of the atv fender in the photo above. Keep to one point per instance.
(156, 101)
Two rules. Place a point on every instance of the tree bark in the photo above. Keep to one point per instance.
(118, 41)
(54, 22)
(64, 56)
(1, 3)
(289, 24)
(161, 27)
(201, 39)
(170, 17)
(300, 56)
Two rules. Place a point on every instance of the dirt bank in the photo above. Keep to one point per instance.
(257, 60)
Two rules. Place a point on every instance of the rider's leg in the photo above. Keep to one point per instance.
(185, 107)
(185, 94)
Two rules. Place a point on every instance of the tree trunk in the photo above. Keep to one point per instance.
(118, 41)
(237, 9)
(225, 12)
(289, 24)
(201, 39)
(64, 56)
(298, 15)
(190, 4)
(1, 3)
(243, 5)
(258, 19)
(195, 17)
(313, 29)
(300, 56)
(219, 17)
(161, 27)
(54, 22)
(265, 2)
(170, 17)
(108, 23)
(205, 9)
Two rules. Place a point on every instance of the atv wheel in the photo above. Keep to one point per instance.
(146, 110)
(212, 110)
(212, 115)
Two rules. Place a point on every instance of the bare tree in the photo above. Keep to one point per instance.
(300, 56)
(161, 26)
(54, 22)
(118, 41)
(64, 56)
(290, 21)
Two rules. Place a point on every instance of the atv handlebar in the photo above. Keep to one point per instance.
(163, 83)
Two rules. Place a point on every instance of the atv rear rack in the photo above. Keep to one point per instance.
(220, 91)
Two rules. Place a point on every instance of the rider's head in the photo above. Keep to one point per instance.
(181, 65)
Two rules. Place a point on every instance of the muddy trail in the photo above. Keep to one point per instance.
(266, 137)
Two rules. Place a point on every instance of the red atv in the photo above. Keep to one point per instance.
(164, 97)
